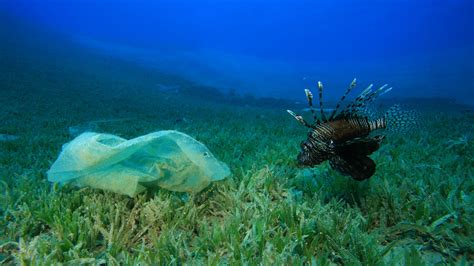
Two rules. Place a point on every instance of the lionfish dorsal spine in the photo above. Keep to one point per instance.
(300, 119)
(320, 88)
(352, 110)
(338, 105)
(357, 103)
(374, 94)
(365, 97)
(385, 91)
(366, 91)
(309, 98)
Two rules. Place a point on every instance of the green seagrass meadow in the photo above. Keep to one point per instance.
(417, 209)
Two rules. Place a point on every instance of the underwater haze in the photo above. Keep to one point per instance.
(234, 133)
(275, 48)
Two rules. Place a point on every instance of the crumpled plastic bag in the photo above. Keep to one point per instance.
(169, 159)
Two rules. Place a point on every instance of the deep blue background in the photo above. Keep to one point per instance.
(276, 48)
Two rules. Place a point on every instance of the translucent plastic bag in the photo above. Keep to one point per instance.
(168, 159)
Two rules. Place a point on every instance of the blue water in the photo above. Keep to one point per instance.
(276, 48)
(224, 72)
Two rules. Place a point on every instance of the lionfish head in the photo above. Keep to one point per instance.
(309, 156)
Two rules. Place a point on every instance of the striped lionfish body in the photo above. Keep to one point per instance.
(345, 138)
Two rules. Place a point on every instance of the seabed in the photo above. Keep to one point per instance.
(417, 208)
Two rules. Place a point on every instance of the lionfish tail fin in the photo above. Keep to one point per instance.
(399, 120)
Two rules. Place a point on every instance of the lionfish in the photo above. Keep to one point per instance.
(346, 138)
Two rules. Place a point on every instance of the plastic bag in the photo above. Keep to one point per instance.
(168, 159)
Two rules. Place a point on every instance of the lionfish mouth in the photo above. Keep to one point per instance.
(303, 159)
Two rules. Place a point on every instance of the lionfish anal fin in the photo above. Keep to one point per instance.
(359, 167)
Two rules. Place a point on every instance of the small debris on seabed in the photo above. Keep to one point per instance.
(7, 137)
(181, 120)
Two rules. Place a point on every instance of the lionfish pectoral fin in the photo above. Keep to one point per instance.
(359, 168)
(359, 146)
